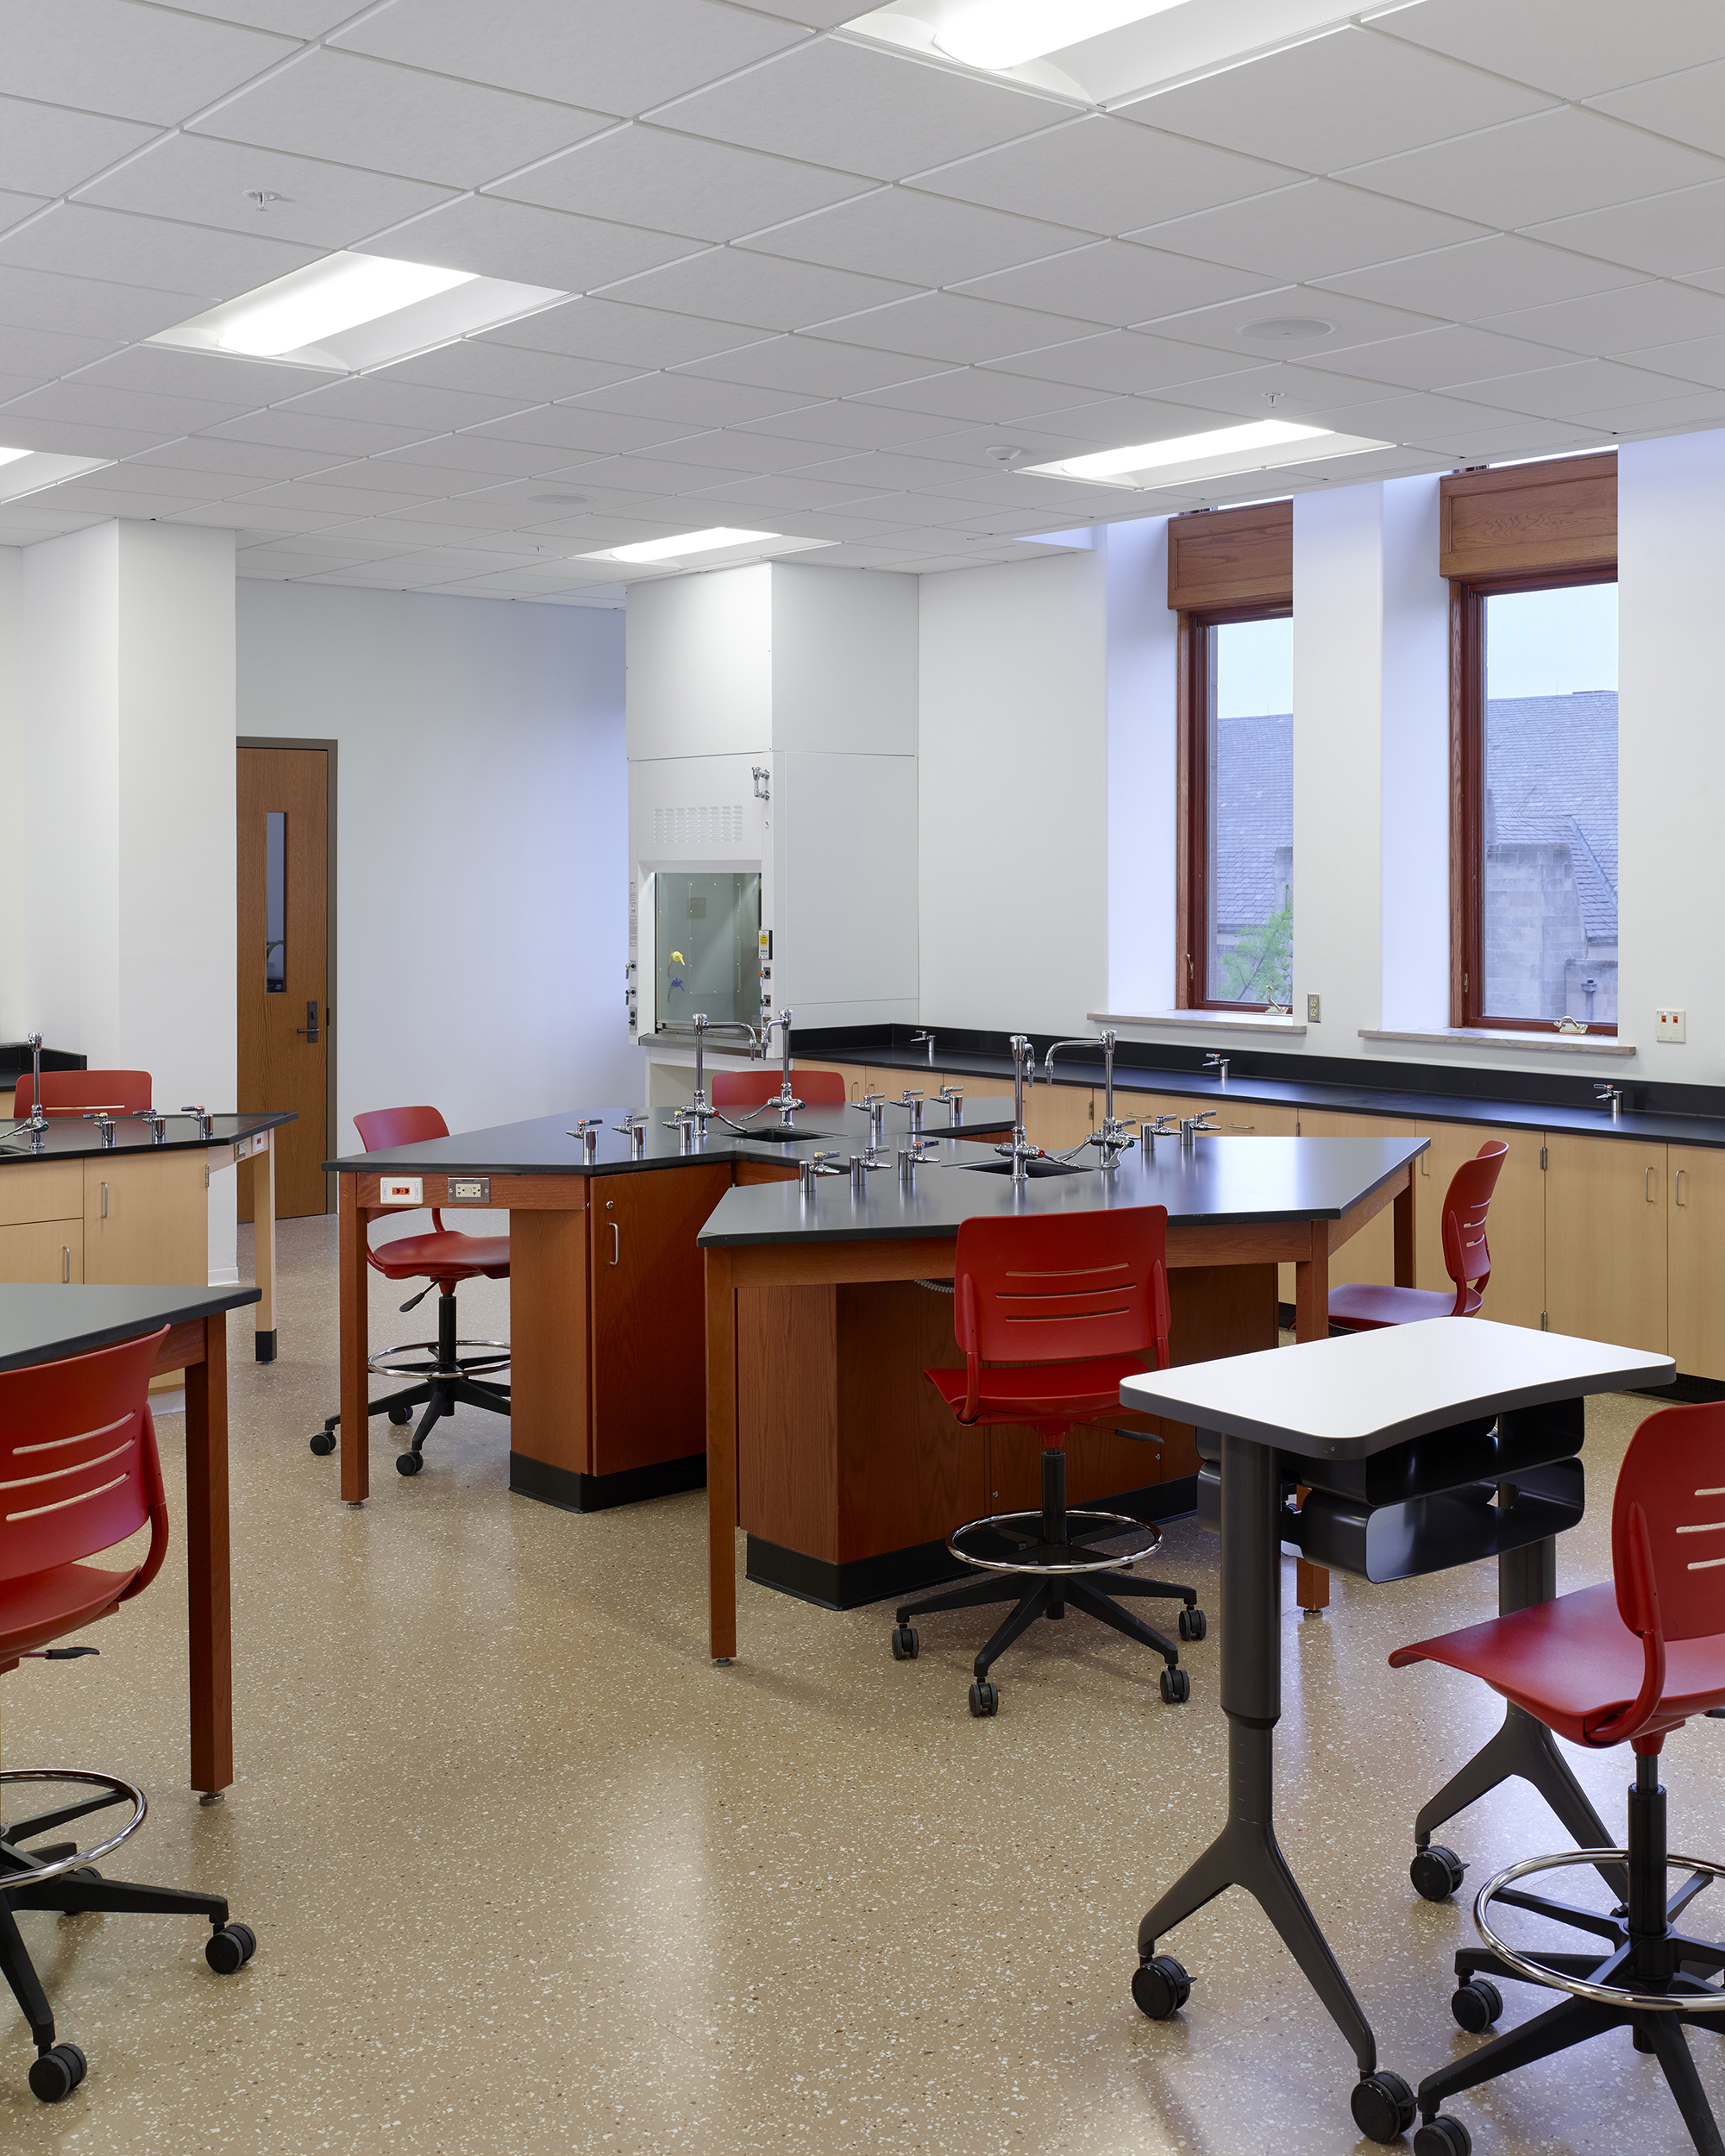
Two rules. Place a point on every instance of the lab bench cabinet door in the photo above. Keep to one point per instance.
(1606, 1262)
(850, 1073)
(147, 1220)
(1695, 1241)
(648, 1313)
(49, 1253)
(42, 1190)
(1514, 1228)
(1058, 1118)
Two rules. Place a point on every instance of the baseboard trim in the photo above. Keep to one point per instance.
(572, 1491)
(895, 1573)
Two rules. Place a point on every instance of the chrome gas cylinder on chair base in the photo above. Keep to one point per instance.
(449, 1379)
(1051, 1548)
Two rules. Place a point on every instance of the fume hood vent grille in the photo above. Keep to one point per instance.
(698, 826)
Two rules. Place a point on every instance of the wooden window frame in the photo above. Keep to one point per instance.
(1192, 807)
(1467, 791)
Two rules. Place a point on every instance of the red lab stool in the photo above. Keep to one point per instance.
(1051, 1313)
(1358, 1307)
(1625, 1662)
(759, 1089)
(83, 1092)
(79, 1474)
(444, 1259)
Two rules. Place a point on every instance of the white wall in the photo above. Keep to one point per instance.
(1013, 771)
(1142, 744)
(482, 880)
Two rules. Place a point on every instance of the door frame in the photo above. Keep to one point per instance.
(308, 740)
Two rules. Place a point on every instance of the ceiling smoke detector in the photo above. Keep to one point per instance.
(1288, 329)
(1003, 453)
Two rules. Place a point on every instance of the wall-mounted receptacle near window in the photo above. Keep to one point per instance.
(1313, 1010)
(1668, 1025)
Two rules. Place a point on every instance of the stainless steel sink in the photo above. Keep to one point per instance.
(1036, 1169)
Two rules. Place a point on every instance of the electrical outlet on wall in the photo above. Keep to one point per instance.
(1668, 1025)
(1313, 1010)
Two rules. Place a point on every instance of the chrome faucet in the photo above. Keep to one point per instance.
(34, 1125)
(1220, 1065)
(788, 1103)
(1112, 1138)
(916, 1038)
(873, 1105)
(700, 1109)
(1602, 1092)
(814, 1165)
(1024, 1073)
(1193, 1126)
(634, 1128)
(911, 1098)
(954, 1097)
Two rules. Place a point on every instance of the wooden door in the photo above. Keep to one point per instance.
(1514, 1228)
(1369, 1256)
(283, 934)
(147, 1220)
(50, 1252)
(1606, 1264)
(647, 1283)
(1696, 1242)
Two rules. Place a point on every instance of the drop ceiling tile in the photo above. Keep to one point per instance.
(528, 246)
(726, 285)
(1236, 327)
(572, 427)
(292, 18)
(1667, 236)
(1656, 313)
(13, 386)
(403, 405)
(1481, 277)
(1286, 392)
(112, 244)
(1127, 362)
(15, 208)
(167, 481)
(136, 63)
(861, 110)
(953, 326)
(594, 53)
(106, 501)
(1575, 48)
(1685, 106)
(1435, 359)
(203, 181)
(321, 494)
(699, 403)
(646, 175)
(484, 455)
(641, 337)
(44, 353)
(1530, 171)
(78, 438)
(1693, 410)
(1709, 280)
(371, 539)
(391, 475)
(662, 477)
(365, 112)
(219, 377)
(1318, 228)
(465, 509)
(84, 306)
(297, 428)
(209, 453)
(1583, 385)
(78, 403)
(47, 148)
(1113, 422)
(786, 490)
(1516, 438)
(971, 394)
(504, 370)
(1114, 282)
(845, 426)
(918, 238)
(882, 471)
(242, 514)
(1336, 100)
(812, 365)
(1696, 359)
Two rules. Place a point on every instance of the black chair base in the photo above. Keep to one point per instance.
(48, 1877)
(1061, 1566)
(448, 1380)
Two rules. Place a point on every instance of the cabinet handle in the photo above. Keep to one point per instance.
(616, 1244)
(1647, 1185)
(1425, 1163)
(1681, 1173)
(104, 1201)
(65, 1263)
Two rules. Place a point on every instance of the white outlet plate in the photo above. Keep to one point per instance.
(401, 1190)
(1668, 1025)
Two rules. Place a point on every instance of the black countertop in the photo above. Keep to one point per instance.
(38, 1325)
(1434, 1106)
(75, 1137)
(544, 1145)
(1220, 1182)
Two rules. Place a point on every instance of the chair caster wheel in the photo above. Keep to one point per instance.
(1443, 2137)
(409, 1462)
(1193, 1624)
(906, 1643)
(1476, 2005)
(1436, 1872)
(985, 1698)
(1160, 1988)
(56, 2073)
(1382, 2106)
(1177, 1687)
(400, 1416)
(230, 1948)
(324, 1443)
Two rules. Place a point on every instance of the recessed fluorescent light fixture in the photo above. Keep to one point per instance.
(1001, 33)
(351, 311)
(673, 549)
(1260, 445)
(28, 471)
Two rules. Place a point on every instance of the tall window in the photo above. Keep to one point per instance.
(1537, 721)
(1239, 824)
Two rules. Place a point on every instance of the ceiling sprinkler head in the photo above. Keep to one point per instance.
(261, 197)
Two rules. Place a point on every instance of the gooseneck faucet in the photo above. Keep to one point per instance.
(1112, 1138)
(700, 1109)
(33, 1125)
(1024, 1073)
(788, 1103)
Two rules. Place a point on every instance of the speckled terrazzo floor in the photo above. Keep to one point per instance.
(529, 1876)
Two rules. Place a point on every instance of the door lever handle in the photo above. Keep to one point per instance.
(310, 1028)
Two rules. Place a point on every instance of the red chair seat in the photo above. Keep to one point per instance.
(1056, 1393)
(1575, 1665)
(446, 1255)
(43, 1607)
(1363, 1308)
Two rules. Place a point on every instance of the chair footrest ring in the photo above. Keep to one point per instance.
(1618, 1995)
(382, 1364)
(1048, 1560)
(119, 1792)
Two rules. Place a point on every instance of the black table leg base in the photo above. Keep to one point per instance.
(1527, 1748)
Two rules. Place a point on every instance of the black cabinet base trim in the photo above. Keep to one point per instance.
(897, 1572)
(263, 1348)
(572, 1491)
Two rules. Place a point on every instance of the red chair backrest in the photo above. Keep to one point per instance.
(1672, 1485)
(1063, 1287)
(1466, 1258)
(380, 1128)
(78, 1470)
(754, 1089)
(75, 1092)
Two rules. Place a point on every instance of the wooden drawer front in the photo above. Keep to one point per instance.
(1514, 1228)
(1606, 1262)
(42, 1190)
(147, 1220)
(47, 1251)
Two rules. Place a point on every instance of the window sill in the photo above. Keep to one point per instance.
(1540, 1044)
(1206, 1021)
